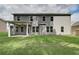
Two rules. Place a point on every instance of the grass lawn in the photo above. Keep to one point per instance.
(39, 45)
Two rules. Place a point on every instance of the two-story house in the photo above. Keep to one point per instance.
(39, 24)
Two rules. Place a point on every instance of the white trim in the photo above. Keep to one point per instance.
(8, 30)
(14, 27)
(27, 29)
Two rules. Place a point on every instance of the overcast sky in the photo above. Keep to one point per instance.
(6, 10)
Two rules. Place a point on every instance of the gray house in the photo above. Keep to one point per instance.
(39, 24)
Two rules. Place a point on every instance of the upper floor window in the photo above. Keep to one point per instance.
(62, 29)
(31, 18)
(18, 18)
(51, 18)
(43, 18)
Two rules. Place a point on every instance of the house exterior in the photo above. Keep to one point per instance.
(39, 24)
(3, 26)
(75, 28)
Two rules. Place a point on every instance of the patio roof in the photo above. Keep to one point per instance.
(18, 22)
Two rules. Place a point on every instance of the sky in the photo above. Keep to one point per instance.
(6, 10)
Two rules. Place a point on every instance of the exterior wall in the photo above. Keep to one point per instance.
(64, 21)
(36, 20)
(39, 20)
(23, 18)
(3, 26)
(47, 21)
(57, 22)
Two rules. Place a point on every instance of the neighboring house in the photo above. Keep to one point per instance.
(40, 24)
(75, 28)
(3, 26)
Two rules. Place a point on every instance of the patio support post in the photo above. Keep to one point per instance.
(8, 29)
(27, 29)
(14, 29)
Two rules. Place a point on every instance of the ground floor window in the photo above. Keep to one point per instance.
(49, 28)
(37, 29)
(22, 29)
(62, 29)
(11, 26)
(16, 29)
(33, 29)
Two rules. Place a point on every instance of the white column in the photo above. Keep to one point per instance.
(27, 29)
(35, 30)
(14, 29)
(31, 30)
(8, 30)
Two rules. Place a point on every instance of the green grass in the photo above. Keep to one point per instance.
(39, 45)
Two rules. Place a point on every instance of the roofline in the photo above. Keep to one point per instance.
(74, 24)
(3, 20)
(39, 14)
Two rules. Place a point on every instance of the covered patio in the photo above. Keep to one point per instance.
(19, 28)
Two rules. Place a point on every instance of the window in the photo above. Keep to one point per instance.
(16, 29)
(51, 29)
(43, 18)
(18, 18)
(62, 29)
(31, 18)
(33, 29)
(51, 18)
(37, 29)
(22, 29)
(11, 26)
(47, 29)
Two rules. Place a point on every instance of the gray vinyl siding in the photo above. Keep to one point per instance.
(57, 22)
(64, 21)
(36, 20)
(47, 21)
(22, 18)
